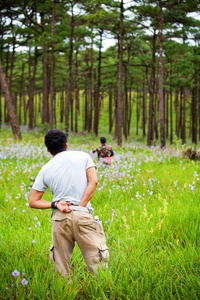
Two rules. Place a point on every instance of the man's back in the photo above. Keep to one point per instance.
(65, 175)
(104, 150)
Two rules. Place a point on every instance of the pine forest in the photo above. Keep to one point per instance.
(73, 64)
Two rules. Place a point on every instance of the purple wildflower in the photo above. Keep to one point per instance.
(15, 273)
(24, 281)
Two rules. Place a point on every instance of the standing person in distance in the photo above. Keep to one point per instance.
(104, 152)
(72, 179)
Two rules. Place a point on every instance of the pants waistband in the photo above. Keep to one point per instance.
(80, 208)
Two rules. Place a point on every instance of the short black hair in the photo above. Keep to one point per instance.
(103, 140)
(55, 140)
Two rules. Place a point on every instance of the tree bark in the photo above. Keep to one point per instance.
(91, 88)
(130, 111)
(120, 74)
(97, 97)
(110, 109)
(171, 108)
(12, 64)
(151, 86)
(62, 104)
(160, 70)
(125, 104)
(167, 115)
(180, 114)
(70, 100)
(31, 89)
(143, 109)
(184, 117)
(76, 94)
(45, 106)
(176, 112)
(9, 105)
(21, 95)
(194, 115)
(86, 107)
(52, 67)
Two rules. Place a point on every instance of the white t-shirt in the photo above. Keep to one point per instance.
(65, 175)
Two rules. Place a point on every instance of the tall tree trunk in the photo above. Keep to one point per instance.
(116, 124)
(194, 114)
(32, 88)
(97, 97)
(25, 108)
(171, 116)
(137, 109)
(194, 100)
(120, 74)
(167, 115)
(52, 66)
(76, 94)
(9, 105)
(143, 109)
(110, 110)
(125, 104)
(176, 112)
(130, 111)
(180, 114)
(91, 100)
(62, 104)
(67, 104)
(21, 95)
(156, 113)
(12, 64)
(151, 85)
(35, 111)
(86, 107)
(160, 71)
(70, 101)
(191, 108)
(45, 105)
(184, 117)
(6, 117)
(171, 107)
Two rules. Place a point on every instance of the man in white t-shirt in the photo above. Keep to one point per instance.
(72, 179)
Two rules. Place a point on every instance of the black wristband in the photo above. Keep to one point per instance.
(53, 205)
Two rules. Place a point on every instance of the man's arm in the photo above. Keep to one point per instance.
(92, 184)
(36, 202)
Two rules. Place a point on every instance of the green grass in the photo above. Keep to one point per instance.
(148, 201)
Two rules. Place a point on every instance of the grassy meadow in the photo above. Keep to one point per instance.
(148, 201)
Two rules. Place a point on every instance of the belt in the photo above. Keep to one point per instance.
(75, 207)
(80, 208)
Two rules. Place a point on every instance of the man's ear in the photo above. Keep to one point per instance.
(48, 150)
(66, 146)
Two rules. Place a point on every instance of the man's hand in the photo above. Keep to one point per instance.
(63, 206)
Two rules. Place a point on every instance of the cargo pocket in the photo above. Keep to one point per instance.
(103, 254)
(87, 227)
(52, 253)
(59, 216)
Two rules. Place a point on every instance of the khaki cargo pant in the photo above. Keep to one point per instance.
(80, 227)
